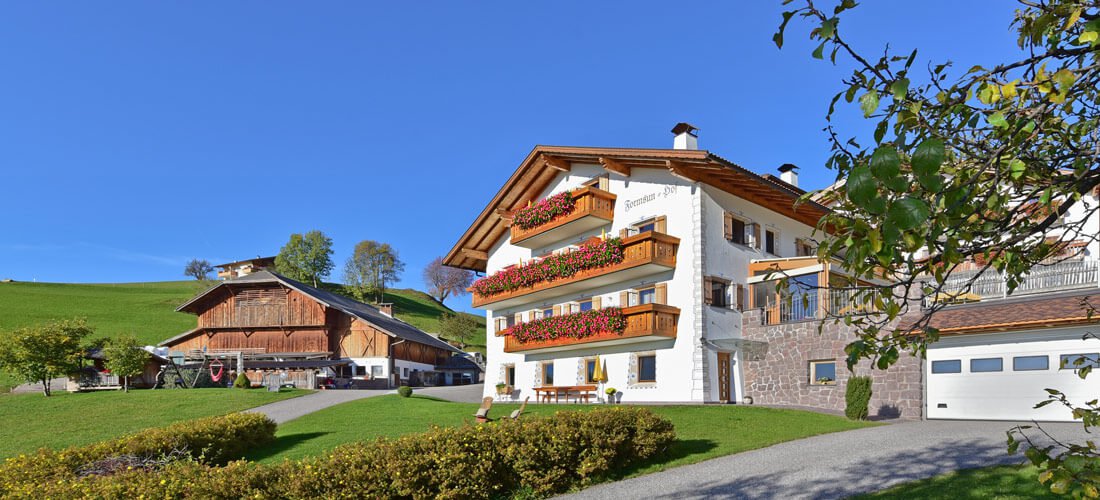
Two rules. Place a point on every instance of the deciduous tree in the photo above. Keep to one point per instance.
(370, 267)
(963, 166)
(126, 358)
(445, 281)
(306, 257)
(460, 328)
(40, 353)
(198, 269)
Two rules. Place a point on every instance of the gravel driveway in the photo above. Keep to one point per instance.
(833, 465)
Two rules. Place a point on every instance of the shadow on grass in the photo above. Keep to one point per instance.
(283, 443)
(682, 448)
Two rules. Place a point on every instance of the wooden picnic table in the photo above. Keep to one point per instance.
(557, 390)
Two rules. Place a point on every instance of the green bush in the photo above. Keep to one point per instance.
(242, 382)
(405, 391)
(213, 440)
(857, 396)
(533, 456)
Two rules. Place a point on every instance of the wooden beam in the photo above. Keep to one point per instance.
(556, 163)
(505, 214)
(475, 254)
(678, 170)
(615, 166)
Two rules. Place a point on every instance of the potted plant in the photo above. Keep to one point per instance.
(502, 389)
(610, 391)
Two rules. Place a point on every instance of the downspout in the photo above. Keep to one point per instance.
(393, 362)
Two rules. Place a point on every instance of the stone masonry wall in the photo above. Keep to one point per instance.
(783, 378)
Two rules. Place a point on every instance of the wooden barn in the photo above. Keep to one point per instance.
(279, 326)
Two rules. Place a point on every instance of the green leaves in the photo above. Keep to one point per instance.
(997, 119)
(907, 213)
(861, 185)
(926, 162)
(886, 167)
(869, 103)
(899, 88)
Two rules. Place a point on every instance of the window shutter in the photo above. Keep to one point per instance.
(708, 291)
(623, 233)
(740, 297)
(624, 299)
(661, 294)
(660, 225)
(519, 318)
(727, 225)
(597, 302)
(756, 235)
(557, 310)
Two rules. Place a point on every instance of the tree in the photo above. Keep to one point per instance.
(198, 269)
(126, 358)
(370, 267)
(460, 328)
(40, 353)
(306, 257)
(975, 166)
(444, 281)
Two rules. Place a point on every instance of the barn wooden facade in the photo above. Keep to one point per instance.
(266, 316)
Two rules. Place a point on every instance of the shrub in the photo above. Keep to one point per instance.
(536, 457)
(857, 396)
(213, 440)
(242, 382)
(405, 391)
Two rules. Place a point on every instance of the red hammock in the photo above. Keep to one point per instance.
(221, 370)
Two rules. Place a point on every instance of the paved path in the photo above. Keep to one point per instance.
(458, 393)
(290, 409)
(834, 465)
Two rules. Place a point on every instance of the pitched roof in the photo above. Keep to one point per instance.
(1028, 312)
(459, 362)
(544, 163)
(392, 326)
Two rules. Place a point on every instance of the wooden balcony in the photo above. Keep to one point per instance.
(643, 323)
(592, 208)
(643, 255)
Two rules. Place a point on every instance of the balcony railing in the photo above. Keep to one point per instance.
(643, 255)
(643, 323)
(592, 208)
(819, 304)
(975, 285)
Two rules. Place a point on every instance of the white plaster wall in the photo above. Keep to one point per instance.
(376, 361)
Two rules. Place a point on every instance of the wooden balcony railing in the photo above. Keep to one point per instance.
(643, 254)
(592, 208)
(644, 322)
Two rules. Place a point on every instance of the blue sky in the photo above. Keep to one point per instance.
(137, 135)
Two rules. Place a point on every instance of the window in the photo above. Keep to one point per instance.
(647, 296)
(822, 372)
(947, 366)
(1075, 361)
(405, 372)
(375, 371)
(647, 227)
(769, 242)
(590, 371)
(803, 248)
(548, 313)
(585, 306)
(735, 229)
(510, 374)
(548, 373)
(1029, 363)
(647, 368)
(983, 365)
(716, 291)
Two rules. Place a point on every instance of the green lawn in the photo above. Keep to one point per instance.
(1005, 482)
(32, 421)
(703, 431)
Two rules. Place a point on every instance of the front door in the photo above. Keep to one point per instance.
(724, 377)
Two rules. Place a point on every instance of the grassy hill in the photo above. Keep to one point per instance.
(147, 310)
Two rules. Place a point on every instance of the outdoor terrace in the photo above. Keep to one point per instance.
(592, 208)
(643, 323)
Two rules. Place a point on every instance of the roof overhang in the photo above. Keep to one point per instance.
(544, 163)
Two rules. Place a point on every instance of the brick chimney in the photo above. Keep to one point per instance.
(687, 136)
(386, 308)
(789, 173)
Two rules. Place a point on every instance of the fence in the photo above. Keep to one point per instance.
(977, 285)
(803, 305)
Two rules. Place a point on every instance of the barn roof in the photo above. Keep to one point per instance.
(544, 163)
(392, 326)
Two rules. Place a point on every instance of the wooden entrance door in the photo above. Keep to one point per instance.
(724, 377)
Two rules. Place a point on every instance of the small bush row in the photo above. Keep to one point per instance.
(213, 440)
(537, 456)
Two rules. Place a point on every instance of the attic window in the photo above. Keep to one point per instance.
(258, 297)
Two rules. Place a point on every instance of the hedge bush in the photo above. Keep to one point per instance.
(405, 391)
(539, 456)
(242, 382)
(213, 440)
(857, 396)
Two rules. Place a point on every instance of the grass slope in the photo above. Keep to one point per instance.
(423, 311)
(32, 421)
(1003, 483)
(703, 431)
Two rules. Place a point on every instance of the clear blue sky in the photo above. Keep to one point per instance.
(137, 135)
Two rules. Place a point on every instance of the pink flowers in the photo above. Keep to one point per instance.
(544, 211)
(573, 326)
(557, 266)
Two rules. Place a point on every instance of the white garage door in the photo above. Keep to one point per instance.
(1002, 376)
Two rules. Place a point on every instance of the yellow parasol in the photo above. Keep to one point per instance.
(598, 374)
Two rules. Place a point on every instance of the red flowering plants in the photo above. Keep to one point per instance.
(544, 211)
(557, 266)
(573, 326)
